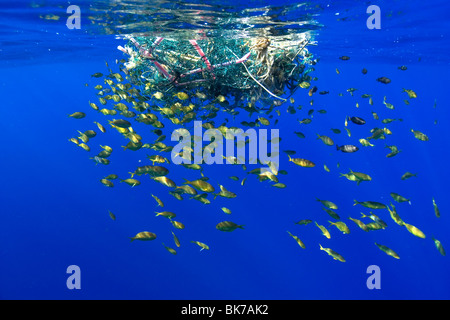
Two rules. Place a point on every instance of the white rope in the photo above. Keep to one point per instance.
(273, 95)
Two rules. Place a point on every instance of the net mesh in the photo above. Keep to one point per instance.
(244, 71)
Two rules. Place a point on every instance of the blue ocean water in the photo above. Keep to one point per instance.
(55, 211)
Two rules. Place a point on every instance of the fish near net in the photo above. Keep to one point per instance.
(243, 70)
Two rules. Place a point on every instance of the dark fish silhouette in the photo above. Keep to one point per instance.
(357, 120)
(384, 80)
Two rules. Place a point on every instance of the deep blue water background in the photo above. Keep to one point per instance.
(54, 211)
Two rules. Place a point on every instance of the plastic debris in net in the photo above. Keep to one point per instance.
(243, 70)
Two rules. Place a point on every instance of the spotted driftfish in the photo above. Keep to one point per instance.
(347, 148)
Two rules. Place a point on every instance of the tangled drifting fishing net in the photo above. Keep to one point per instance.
(242, 70)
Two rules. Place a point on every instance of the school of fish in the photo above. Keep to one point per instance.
(128, 111)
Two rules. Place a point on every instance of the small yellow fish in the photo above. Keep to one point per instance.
(439, 246)
(131, 182)
(181, 95)
(436, 209)
(414, 230)
(334, 254)
(172, 251)
(201, 244)
(411, 93)
(360, 224)
(419, 135)
(328, 204)
(302, 162)
(74, 140)
(158, 95)
(165, 181)
(177, 224)
(166, 214)
(341, 226)
(394, 215)
(279, 185)
(304, 85)
(107, 183)
(300, 242)
(365, 143)
(226, 210)
(228, 226)
(221, 98)
(84, 146)
(100, 127)
(160, 203)
(201, 185)
(77, 115)
(388, 251)
(324, 230)
(111, 215)
(176, 240)
(326, 140)
(144, 236)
